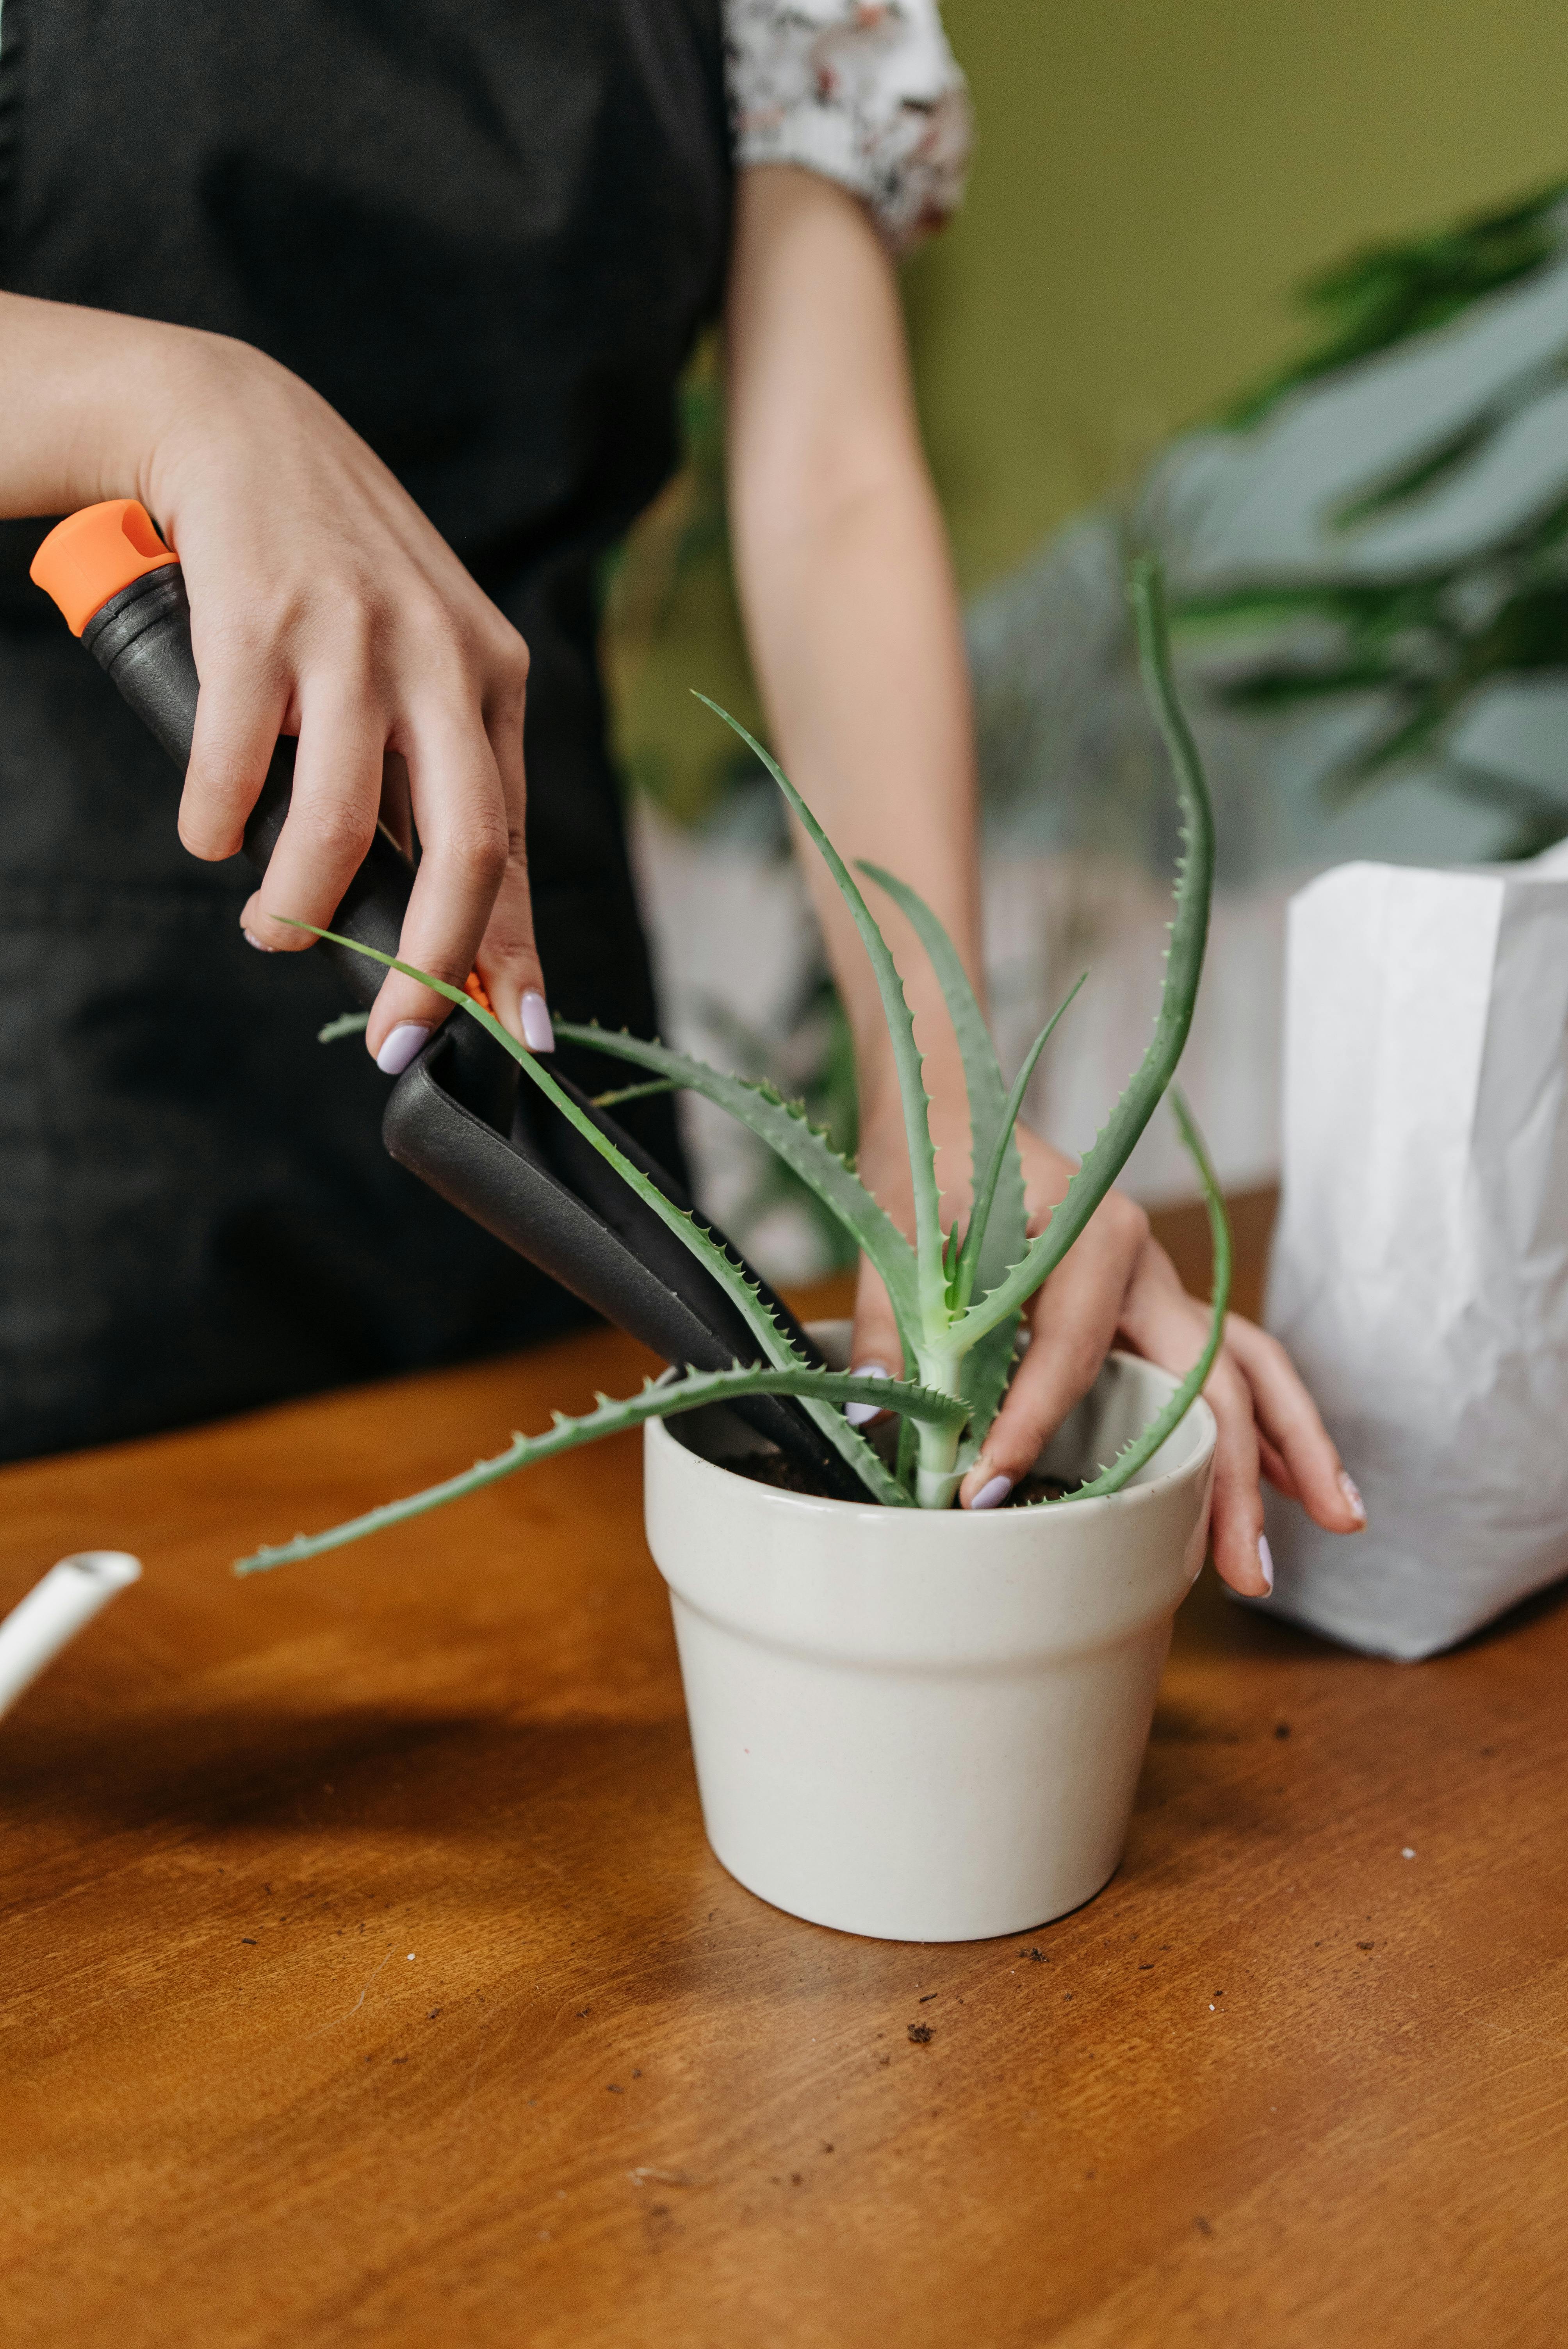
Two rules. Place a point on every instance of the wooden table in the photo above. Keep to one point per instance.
(367, 1977)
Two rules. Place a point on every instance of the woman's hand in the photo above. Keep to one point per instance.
(323, 605)
(1118, 1286)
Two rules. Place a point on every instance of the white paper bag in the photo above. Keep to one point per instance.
(1421, 1267)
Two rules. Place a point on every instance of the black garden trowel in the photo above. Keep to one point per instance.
(458, 1117)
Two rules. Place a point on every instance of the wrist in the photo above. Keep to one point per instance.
(192, 389)
(127, 391)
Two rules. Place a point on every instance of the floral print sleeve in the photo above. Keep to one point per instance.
(864, 91)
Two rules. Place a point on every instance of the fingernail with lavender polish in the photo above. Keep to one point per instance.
(1353, 1498)
(1266, 1560)
(537, 1032)
(401, 1046)
(992, 1496)
(858, 1414)
(252, 940)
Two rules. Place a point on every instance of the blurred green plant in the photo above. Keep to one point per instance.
(1426, 642)
(669, 612)
(1386, 293)
(1425, 639)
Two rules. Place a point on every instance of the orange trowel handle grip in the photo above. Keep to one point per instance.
(122, 592)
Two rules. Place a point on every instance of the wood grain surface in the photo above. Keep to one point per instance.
(366, 1976)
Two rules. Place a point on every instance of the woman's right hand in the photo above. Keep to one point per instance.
(323, 605)
(1118, 1286)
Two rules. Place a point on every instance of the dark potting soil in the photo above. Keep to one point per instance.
(1029, 1489)
(787, 1476)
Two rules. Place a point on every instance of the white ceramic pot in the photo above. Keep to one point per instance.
(924, 1725)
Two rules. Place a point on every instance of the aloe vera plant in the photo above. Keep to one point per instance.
(957, 1293)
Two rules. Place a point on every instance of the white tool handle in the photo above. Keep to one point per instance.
(55, 1610)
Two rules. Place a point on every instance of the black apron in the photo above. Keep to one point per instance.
(487, 231)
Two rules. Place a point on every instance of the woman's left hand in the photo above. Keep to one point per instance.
(1117, 1286)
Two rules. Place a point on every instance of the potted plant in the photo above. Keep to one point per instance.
(910, 1721)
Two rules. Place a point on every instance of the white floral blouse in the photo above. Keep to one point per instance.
(865, 91)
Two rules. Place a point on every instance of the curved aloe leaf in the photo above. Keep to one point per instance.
(1183, 967)
(1132, 1456)
(1006, 1147)
(774, 1343)
(990, 1128)
(988, 1365)
(660, 1399)
(784, 1126)
(933, 1284)
(1000, 1231)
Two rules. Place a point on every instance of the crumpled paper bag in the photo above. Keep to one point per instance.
(1420, 1266)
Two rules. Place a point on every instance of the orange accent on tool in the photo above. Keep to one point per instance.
(92, 554)
(471, 985)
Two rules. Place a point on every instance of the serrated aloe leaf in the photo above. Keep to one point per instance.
(1132, 1456)
(905, 1458)
(988, 1365)
(1000, 1227)
(1183, 969)
(774, 1343)
(989, 1126)
(660, 1399)
(1005, 1147)
(933, 1287)
(784, 1126)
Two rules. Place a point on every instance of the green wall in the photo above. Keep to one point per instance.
(1151, 178)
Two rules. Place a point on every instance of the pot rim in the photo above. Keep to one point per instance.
(1146, 1495)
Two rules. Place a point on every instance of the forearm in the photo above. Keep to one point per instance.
(847, 587)
(859, 660)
